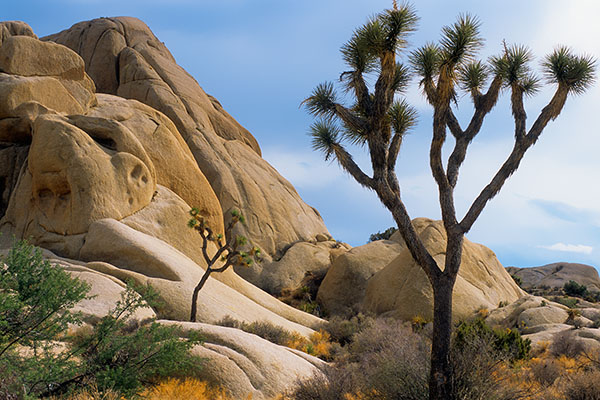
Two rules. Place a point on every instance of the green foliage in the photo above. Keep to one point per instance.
(403, 117)
(385, 235)
(576, 72)
(229, 253)
(514, 68)
(508, 343)
(567, 301)
(35, 298)
(461, 40)
(573, 288)
(517, 280)
(121, 353)
(325, 135)
(118, 353)
(473, 76)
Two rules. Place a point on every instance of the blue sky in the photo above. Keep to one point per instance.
(260, 58)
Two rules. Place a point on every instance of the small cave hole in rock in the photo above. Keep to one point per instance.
(105, 142)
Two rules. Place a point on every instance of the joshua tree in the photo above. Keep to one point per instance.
(379, 121)
(229, 253)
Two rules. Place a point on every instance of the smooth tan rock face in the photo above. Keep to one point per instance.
(402, 289)
(71, 181)
(245, 364)
(288, 272)
(84, 168)
(15, 28)
(343, 289)
(118, 250)
(27, 56)
(226, 153)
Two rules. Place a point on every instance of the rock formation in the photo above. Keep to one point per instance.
(556, 275)
(402, 290)
(105, 183)
(124, 58)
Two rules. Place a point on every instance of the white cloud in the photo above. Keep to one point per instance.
(570, 248)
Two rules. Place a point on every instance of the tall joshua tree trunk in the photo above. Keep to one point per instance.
(379, 122)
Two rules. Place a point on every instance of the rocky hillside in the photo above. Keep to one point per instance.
(556, 275)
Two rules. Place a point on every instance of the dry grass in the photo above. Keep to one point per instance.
(188, 389)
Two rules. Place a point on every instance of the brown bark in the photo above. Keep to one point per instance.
(196, 292)
(440, 377)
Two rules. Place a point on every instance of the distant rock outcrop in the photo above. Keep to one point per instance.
(556, 275)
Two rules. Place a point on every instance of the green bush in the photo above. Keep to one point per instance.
(507, 343)
(385, 235)
(118, 353)
(121, 353)
(574, 289)
(35, 298)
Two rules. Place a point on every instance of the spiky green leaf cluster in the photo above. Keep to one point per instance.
(325, 135)
(403, 117)
(426, 60)
(322, 101)
(473, 76)
(384, 32)
(514, 67)
(461, 40)
(578, 73)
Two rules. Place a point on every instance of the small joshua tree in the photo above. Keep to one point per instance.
(229, 253)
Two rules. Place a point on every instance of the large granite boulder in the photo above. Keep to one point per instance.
(110, 183)
(124, 58)
(402, 290)
(343, 289)
(556, 275)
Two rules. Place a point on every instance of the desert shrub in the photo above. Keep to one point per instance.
(546, 371)
(384, 359)
(481, 359)
(118, 353)
(385, 235)
(584, 386)
(121, 354)
(342, 330)
(392, 358)
(507, 344)
(517, 280)
(271, 332)
(318, 344)
(573, 288)
(35, 299)
(332, 384)
(186, 389)
(567, 301)
(92, 392)
(566, 343)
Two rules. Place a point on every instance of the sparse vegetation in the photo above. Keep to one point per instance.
(318, 344)
(229, 252)
(385, 235)
(574, 289)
